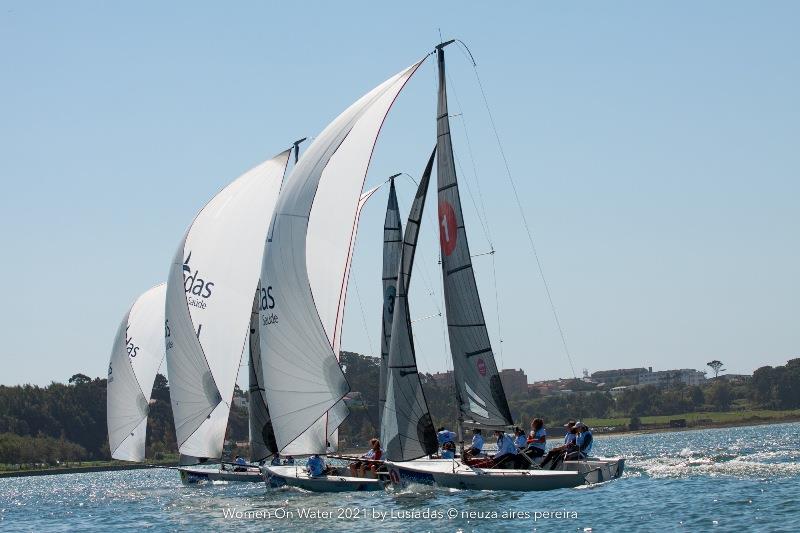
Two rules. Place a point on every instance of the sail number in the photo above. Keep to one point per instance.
(447, 227)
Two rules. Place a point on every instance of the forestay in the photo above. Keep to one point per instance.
(479, 391)
(136, 355)
(209, 298)
(302, 377)
(407, 430)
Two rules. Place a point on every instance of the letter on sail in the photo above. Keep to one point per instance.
(302, 377)
(478, 388)
(209, 299)
(406, 427)
(135, 357)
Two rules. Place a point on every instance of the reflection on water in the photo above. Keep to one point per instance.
(726, 479)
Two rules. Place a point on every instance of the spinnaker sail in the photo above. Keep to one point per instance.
(209, 298)
(136, 355)
(302, 377)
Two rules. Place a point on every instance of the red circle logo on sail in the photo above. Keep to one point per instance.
(447, 227)
(481, 364)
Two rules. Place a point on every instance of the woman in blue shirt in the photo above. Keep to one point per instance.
(506, 456)
(537, 440)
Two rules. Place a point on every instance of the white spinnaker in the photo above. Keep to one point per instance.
(135, 358)
(313, 440)
(210, 291)
(302, 377)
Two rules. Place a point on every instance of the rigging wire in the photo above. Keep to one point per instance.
(363, 314)
(521, 212)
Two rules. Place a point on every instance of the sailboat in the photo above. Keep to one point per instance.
(136, 355)
(480, 397)
(302, 380)
(210, 291)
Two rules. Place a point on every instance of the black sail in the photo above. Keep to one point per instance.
(392, 243)
(479, 392)
(262, 439)
(407, 430)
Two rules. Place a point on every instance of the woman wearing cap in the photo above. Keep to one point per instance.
(583, 443)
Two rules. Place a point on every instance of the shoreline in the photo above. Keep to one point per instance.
(716, 425)
(79, 470)
(599, 435)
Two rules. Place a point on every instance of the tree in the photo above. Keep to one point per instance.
(79, 379)
(720, 395)
(716, 366)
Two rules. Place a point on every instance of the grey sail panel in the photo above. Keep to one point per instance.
(406, 427)
(479, 391)
(392, 243)
(262, 438)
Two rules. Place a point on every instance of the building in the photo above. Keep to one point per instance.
(613, 377)
(242, 402)
(515, 382)
(668, 378)
(443, 379)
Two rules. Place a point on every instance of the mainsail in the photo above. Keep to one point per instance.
(406, 427)
(392, 244)
(209, 298)
(302, 377)
(135, 357)
(479, 392)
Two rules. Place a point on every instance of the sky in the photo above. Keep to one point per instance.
(654, 147)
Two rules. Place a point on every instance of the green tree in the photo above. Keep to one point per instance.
(720, 396)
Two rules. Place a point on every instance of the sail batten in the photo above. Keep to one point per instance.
(479, 391)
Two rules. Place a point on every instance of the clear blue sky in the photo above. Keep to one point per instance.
(654, 144)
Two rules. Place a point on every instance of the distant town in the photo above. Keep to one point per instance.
(515, 381)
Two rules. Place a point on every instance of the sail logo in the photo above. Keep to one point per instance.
(267, 303)
(194, 285)
(448, 232)
(130, 346)
(481, 364)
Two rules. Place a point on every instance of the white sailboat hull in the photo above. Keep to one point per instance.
(192, 475)
(297, 476)
(452, 474)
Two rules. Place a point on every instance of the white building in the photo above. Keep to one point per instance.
(666, 378)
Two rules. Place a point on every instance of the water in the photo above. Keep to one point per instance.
(721, 479)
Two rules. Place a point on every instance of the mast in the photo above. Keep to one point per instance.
(479, 392)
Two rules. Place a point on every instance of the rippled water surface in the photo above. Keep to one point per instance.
(721, 479)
